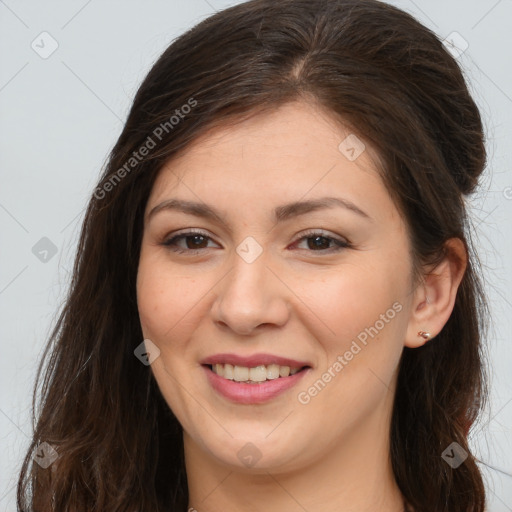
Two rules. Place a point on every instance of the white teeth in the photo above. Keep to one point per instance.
(259, 373)
(228, 371)
(272, 371)
(284, 371)
(241, 373)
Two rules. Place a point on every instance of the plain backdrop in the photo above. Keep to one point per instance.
(62, 106)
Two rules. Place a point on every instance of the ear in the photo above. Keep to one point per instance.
(434, 298)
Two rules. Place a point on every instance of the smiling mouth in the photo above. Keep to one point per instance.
(254, 375)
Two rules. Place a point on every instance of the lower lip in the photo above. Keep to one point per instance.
(243, 393)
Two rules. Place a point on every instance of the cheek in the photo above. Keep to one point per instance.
(365, 317)
(352, 298)
(363, 305)
(164, 314)
(166, 301)
(168, 305)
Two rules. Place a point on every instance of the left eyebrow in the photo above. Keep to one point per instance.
(281, 213)
(287, 211)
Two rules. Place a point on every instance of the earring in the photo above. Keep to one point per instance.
(424, 335)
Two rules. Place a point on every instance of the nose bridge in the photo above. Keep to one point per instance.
(250, 295)
(248, 277)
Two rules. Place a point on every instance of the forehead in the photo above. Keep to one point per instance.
(296, 151)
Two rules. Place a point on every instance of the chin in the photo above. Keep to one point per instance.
(257, 454)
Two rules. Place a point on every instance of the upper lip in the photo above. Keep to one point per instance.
(253, 360)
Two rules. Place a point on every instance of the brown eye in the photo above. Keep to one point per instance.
(196, 241)
(319, 242)
(193, 241)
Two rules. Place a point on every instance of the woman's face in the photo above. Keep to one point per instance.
(279, 279)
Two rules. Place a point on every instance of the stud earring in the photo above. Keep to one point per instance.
(424, 335)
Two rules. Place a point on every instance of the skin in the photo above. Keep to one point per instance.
(294, 300)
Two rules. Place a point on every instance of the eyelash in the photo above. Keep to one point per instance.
(171, 242)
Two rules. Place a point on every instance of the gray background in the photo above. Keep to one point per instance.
(61, 115)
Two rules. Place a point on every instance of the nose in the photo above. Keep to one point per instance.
(251, 296)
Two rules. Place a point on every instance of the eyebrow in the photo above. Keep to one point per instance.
(281, 213)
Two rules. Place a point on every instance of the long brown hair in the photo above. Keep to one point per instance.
(373, 67)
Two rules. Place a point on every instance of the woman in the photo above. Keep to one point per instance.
(275, 302)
